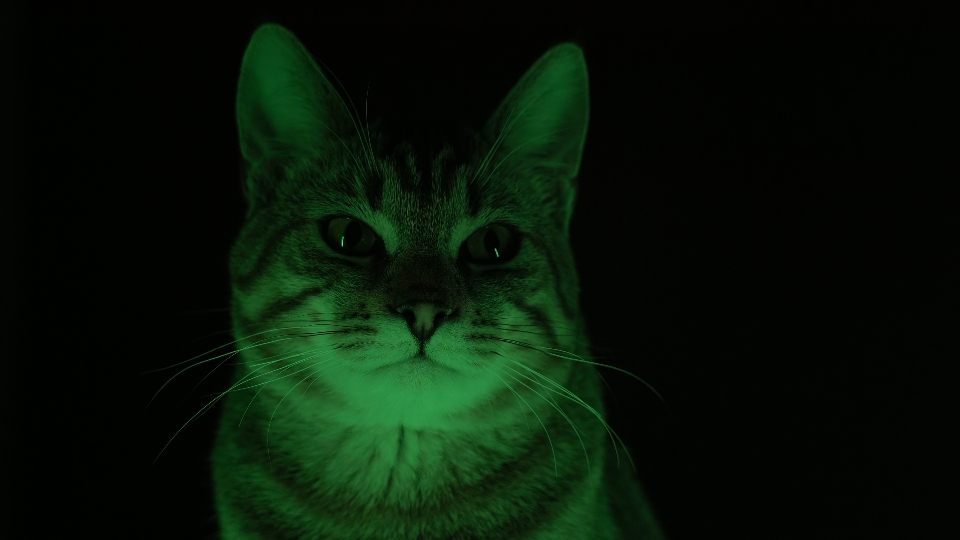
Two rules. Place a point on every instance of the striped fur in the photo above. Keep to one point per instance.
(354, 416)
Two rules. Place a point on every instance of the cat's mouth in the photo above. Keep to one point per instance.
(417, 362)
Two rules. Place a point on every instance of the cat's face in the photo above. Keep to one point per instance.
(401, 289)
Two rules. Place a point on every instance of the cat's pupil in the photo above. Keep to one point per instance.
(351, 235)
(491, 241)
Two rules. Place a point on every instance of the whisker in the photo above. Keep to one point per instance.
(519, 146)
(565, 355)
(366, 118)
(201, 362)
(236, 388)
(235, 341)
(307, 389)
(368, 153)
(556, 471)
(496, 144)
(576, 399)
(249, 377)
(261, 343)
(192, 390)
(270, 422)
(531, 331)
(556, 406)
(252, 325)
(508, 126)
(504, 326)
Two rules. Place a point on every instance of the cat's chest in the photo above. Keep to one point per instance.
(398, 466)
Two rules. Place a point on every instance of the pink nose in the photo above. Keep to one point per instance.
(423, 318)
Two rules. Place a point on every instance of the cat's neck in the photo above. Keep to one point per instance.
(336, 444)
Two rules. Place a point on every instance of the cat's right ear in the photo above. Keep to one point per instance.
(285, 105)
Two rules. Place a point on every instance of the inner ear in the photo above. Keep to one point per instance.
(286, 107)
(544, 118)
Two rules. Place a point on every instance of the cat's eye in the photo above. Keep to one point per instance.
(493, 244)
(348, 236)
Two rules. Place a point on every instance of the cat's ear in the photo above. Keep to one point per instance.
(285, 105)
(543, 120)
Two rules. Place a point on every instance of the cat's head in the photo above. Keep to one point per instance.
(413, 287)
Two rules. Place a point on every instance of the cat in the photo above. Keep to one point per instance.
(412, 353)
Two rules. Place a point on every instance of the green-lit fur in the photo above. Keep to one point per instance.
(427, 389)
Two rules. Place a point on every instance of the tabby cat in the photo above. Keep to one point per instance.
(411, 349)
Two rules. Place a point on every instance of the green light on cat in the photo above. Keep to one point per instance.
(429, 376)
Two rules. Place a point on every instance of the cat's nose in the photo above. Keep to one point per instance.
(423, 318)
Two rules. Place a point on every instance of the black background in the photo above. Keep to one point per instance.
(766, 233)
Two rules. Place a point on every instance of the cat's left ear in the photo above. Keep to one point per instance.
(543, 120)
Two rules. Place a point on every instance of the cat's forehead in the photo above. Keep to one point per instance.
(411, 198)
(414, 182)
(430, 201)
